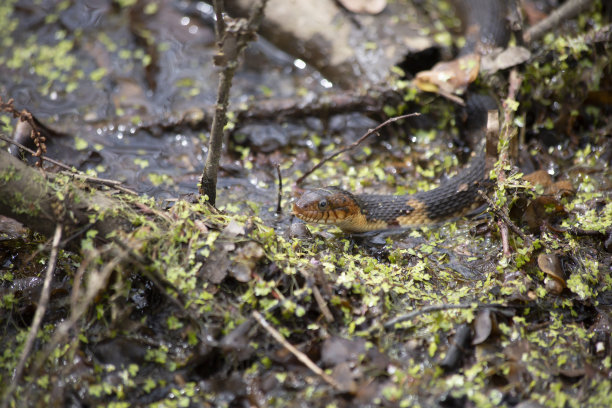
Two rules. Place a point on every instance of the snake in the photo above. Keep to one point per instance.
(453, 198)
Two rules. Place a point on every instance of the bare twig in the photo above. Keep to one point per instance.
(97, 281)
(297, 353)
(234, 38)
(505, 155)
(354, 144)
(32, 152)
(38, 316)
(427, 309)
(503, 231)
(105, 182)
(329, 317)
(70, 172)
(279, 208)
(26, 116)
(568, 10)
(219, 8)
(492, 139)
(506, 220)
(342, 101)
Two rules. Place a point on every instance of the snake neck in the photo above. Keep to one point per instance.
(454, 198)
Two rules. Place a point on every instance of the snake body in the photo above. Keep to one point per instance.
(367, 212)
(455, 197)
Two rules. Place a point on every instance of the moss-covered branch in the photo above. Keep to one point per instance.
(27, 196)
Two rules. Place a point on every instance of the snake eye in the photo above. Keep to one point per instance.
(322, 204)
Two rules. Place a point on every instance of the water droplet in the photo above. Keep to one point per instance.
(204, 8)
(325, 83)
(299, 64)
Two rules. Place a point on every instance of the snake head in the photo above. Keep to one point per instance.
(330, 205)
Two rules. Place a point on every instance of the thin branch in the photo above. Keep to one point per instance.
(504, 217)
(503, 231)
(370, 101)
(32, 152)
(568, 10)
(219, 8)
(70, 172)
(438, 308)
(297, 353)
(105, 182)
(279, 208)
(355, 144)
(26, 116)
(235, 37)
(38, 316)
(427, 309)
(97, 280)
(329, 317)
(505, 155)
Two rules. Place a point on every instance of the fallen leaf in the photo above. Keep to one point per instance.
(551, 266)
(504, 59)
(484, 326)
(233, 229)
(345, 377)
(245, 260)
(336, 350)
(452, 77)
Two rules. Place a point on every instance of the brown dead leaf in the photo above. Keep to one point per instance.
(539, 177)
(531, 13)
(458, 348)
(545, 208)
(215, 268)
(504, 59)
(336, 350)
(245, 260)
(345, 377)
(452, 77)
(484, 326)
(233, 229)
(555, 277)
(559, 188)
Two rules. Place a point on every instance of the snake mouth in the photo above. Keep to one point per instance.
(325, 206)
(321, 217)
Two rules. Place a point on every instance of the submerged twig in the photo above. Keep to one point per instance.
(297, 353)
(38, 316)
(354, 144)
(234, 37)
